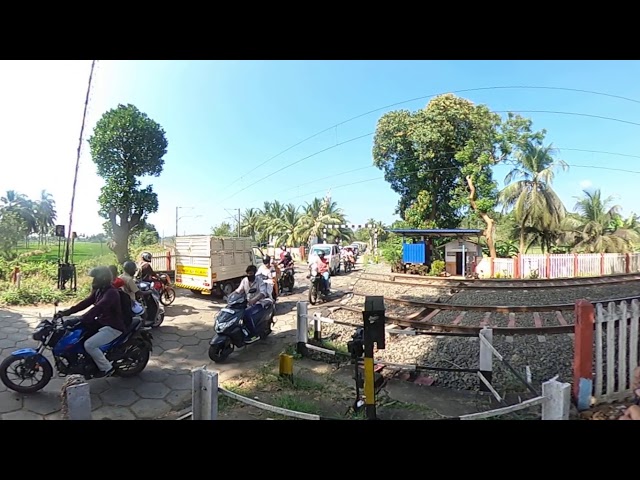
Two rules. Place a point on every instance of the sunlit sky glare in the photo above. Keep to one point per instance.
(224, 118)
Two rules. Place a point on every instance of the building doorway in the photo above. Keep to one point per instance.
(458, 263)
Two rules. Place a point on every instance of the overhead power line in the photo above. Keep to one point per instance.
(424, 97)
(372, 133)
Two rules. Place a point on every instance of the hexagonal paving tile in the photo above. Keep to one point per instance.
(152, 390)
(169, 337)
(170, 345)
(190, 340)
(42, 403)
(204, 335)
(6, 343)
(9, 330)
(3, 336)
(120, 382)
(54, 416)
(119, 397)
(10, 401)
(21, 415)
(154, 375)
(148, 409)
(179, 382)
(179, 398)
(186, 331)
(168, 330)
(113, 413)
(96, 401)
(16, 337)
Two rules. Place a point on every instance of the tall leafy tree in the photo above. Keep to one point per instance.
(440, 160)
(126, 145)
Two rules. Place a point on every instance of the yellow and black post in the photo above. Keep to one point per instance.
(374, 333)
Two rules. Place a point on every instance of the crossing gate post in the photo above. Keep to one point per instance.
(374, 334)
(204, 394)
(486, 358)
(302, 328)
(583, 354)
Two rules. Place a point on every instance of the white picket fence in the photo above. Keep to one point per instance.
(616, 349)
(561, 265)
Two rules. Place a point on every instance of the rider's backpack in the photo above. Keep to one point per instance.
(126, 307)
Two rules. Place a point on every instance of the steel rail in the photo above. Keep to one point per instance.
(498, 284)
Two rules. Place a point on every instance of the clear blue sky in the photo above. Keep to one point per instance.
(223, 118)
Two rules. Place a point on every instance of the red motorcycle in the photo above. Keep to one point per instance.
(162, 284)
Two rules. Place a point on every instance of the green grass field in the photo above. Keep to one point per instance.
(82, 251)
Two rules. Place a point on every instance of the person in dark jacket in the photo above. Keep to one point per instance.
(105, 316)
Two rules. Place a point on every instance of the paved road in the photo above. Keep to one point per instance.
(180, 345)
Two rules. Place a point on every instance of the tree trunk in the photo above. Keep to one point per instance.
(120, 244)
(489, 231)
(523, 246)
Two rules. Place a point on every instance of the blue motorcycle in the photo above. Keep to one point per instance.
(129, 353)
(229, 331)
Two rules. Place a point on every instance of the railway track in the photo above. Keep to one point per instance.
(547, 319)
(494, 283)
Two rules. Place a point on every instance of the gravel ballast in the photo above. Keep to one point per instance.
(546, 356)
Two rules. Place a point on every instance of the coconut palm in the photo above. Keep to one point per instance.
(529, 193)
(597, 229)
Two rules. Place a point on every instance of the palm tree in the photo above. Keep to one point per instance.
(250, 222)
(534, 202)
(319, 216)
(45, 215)
(597, 228)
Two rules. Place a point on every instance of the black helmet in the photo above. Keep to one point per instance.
(266, 260)
(146, 256)
(129, 267)
(101, 277)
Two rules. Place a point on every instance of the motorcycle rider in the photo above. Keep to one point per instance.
(128, 282)
(322, 264)
(105, 317)
(146, 272)
(267, 276)
(256, 301)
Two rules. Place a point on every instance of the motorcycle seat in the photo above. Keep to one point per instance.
(134, 324)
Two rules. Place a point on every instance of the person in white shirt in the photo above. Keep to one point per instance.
(266, 274)
(256, 300)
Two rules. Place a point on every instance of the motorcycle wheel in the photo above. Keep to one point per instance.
(159, 322)
(313, 294)
(168, 296)
(267, 331)
(134, 361)
(220, 352)
(24, 369)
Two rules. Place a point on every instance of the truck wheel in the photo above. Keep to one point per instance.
(227, 288)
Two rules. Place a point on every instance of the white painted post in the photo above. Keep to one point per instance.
(557, 400)
(78, 399)
(204, 394)
(486, 357)
(302, 328)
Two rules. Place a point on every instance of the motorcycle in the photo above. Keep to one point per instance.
(318, 287)
(348, 265)
(129, 353)
(229, 333)
(287, 280)
(165, 290)
(151, 304)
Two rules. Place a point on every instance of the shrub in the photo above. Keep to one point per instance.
(437, 267)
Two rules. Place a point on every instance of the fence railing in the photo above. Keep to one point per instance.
(606, 335)
(568, 265)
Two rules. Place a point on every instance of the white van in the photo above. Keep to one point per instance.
(331, 253)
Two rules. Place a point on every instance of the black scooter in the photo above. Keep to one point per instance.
(229, 331)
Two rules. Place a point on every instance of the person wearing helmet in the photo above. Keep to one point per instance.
(267, 276)
(146, 270)
(128, 282)
(105, 317)
(322, 264)
(257, 295)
